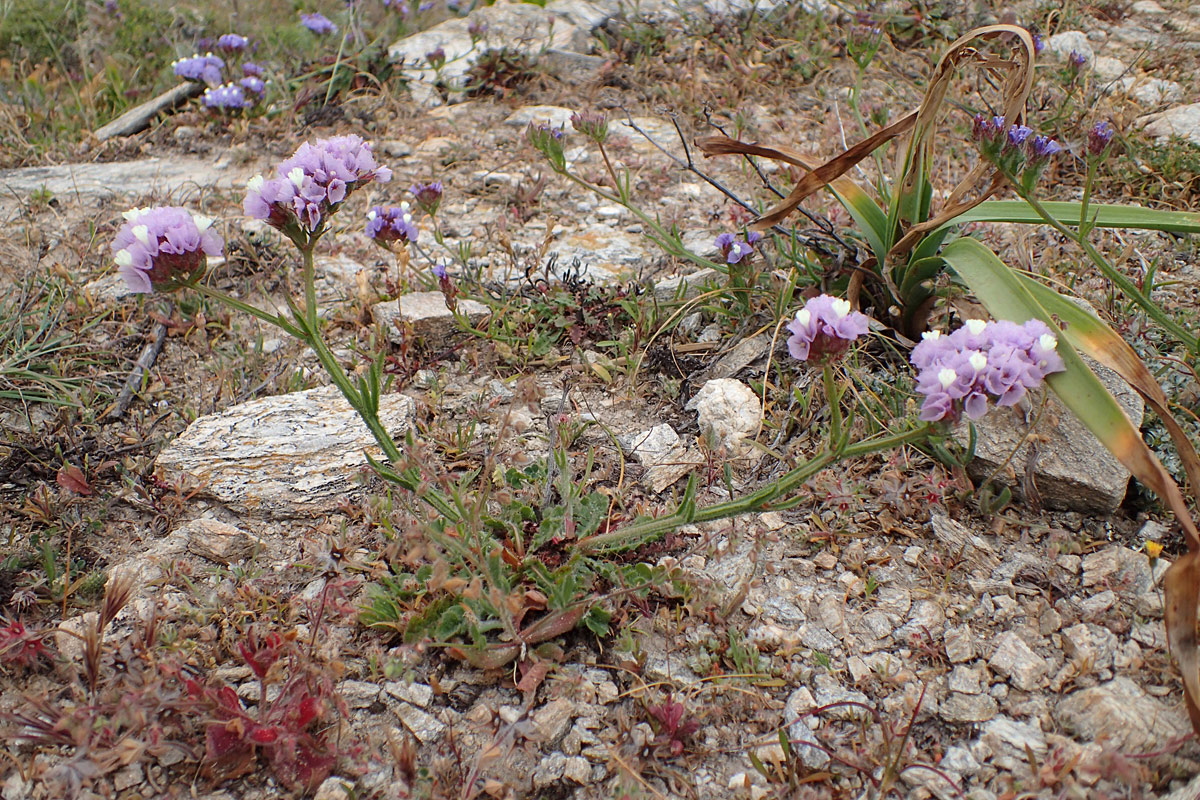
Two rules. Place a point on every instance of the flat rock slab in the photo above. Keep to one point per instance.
(1072, 469)
(426, 313)
(1123, 715)
(158, 177)
(1181, 121)
(294, 455)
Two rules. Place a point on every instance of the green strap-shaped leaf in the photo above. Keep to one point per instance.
(866, 212)
(1001, 290)
(1106, 216)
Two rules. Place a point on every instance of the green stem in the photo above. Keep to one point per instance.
(761, 500)
(1113, 274)
(834, 398)
(1087, 197)
(254, 311)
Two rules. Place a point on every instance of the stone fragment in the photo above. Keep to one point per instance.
(1147, 8)
(552, 720)
(421, 724)
(293, 455)
(219, 542)
(358, 694)
(1061, 45)
(418, 694)
(571, 68)
(960, 644)
(427, 313)
(1072, 469)
(1013, 659)
(1011, 742)
(554, 116)
(1181, 121)
(966, 680)
(1109, 69)
(335, 788)
(600, 252)
(1149, 91)
(801, 729)
(1123, 715)
(728, 412)
(962, 709)
(138, 118)
(685, 287)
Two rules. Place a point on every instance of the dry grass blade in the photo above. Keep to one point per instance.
(816, 179)
(1181, 589)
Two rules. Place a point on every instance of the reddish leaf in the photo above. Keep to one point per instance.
(264, 734)
(71, 479)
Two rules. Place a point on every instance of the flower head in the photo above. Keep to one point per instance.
(1039, 44)
(823, 330)
(253, 85)
(1100, 137)
(1076, 60)
(734, 250)
(1003, 360)
(205, 68)
(477, 29)
(318, 23)
(427, 195)
(591, 124)
(230, 97)
(436, 58)
(311, 185)
(387, 224)
(251, 70)
(232, 43)
(164, 248)
(1042, 149)
(549, 140)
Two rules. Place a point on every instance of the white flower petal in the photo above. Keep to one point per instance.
(841, 307)
(977, 360)
(946, 376)
(296, 176)
(803, 316)
(142, 234)
(1047, 341)
(203, 223)
(931, 335)
(255, 184)
(124, 258)
(975, 326)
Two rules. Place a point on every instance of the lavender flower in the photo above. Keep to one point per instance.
(318, 23)
(439, 270)
(436, 58)
(1099, 138)
(230, 97)
(425, 6)
(591, 124)
(734, 250)
(311, 185)
(1076, 60)
(428, 196)
(164, 248)
(823, 330)
(205, 68)
(1042, 148)
(1003, 360)
(251, 70)
(1039, 44)
(387, 224)
(111, 7)
(477, 29)
(253, 85)
(1017, 135)
(232, 43)
(549, 141)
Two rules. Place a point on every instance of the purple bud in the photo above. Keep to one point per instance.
(436, 58)
(823, 330)
(428, 196)
(232, 43)
(318, 23)
(1043, 148)
(1100, 137)
(1076, 60)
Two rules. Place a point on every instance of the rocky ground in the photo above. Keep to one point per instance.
(905, 644)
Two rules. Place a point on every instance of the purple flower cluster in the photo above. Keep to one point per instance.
(1013, 146)
(312, 184)
(251, 70)
(1076, 60)
(1100, 137)
(436, 57)
(254, 85)
(387, 224)
(232, 43)
(229, 97)
(205, 68)
(318, 23)
(164, 248)
(427, 195)
(734, 250)
(823, 330)
(958, 372)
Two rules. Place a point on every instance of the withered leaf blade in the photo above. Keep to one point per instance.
(1181, 590)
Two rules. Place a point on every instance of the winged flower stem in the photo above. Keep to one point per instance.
(760, 500)
(309, 333)
(834, 398)
(1113, 274)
